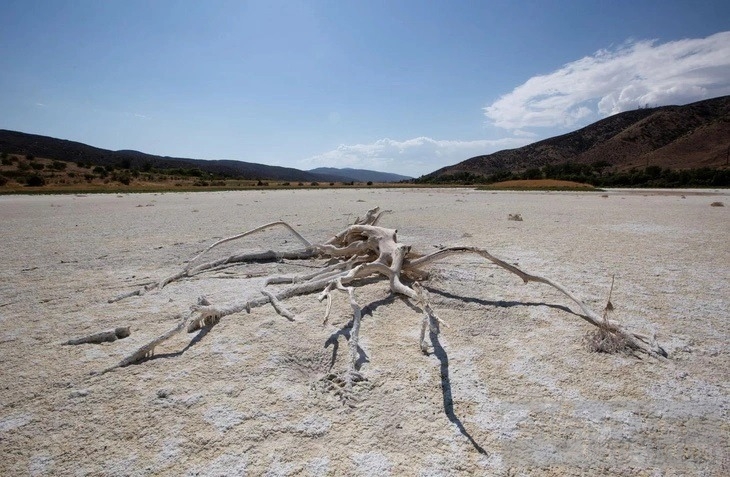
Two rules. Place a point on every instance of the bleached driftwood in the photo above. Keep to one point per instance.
(101, 337)
(360, 251)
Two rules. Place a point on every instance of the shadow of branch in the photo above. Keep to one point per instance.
(196, 339)
(448, 398)
(497, 303)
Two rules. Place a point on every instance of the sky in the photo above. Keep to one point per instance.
(397, 86)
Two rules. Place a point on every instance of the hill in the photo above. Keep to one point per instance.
(360, 175)
(14, 142)
(672, 138)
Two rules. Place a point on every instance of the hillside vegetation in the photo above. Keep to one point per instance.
(19, 144)
(32, 162)
(669, 146)
(37, 174)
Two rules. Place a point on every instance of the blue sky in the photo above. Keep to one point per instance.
(398, 86)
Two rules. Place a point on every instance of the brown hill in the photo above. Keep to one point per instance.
(675, 137)
(15, 142)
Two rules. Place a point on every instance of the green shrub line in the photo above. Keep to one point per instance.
(597, 175)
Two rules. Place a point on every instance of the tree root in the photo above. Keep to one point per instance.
(101, 337)
(280, 309)
(635, 341)
(360, 251)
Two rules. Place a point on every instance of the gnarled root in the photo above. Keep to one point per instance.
(343, 384)
(430, 320)
(362, 250)
(189, 270)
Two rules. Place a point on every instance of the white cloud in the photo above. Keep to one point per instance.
(412, 157)
(636, 74)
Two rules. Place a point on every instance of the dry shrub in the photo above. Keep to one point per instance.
(515, 217)
(717, 204)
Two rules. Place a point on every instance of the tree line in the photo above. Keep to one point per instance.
(597, 174)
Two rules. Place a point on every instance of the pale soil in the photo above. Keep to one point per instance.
(509, 376)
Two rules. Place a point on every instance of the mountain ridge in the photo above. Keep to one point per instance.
(361, 175)
(16, 142)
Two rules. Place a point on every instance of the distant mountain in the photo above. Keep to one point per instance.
(675, 137)
(14, 142)
(360, 175)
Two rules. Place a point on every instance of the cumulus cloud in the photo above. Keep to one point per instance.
(412, 157)
(637, 74)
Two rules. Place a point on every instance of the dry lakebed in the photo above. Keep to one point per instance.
(508, 387)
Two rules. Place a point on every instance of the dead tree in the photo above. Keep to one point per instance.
(362, 250)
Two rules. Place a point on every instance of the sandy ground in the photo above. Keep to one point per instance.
(509, 390)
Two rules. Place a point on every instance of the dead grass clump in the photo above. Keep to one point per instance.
(604, 339)
(717, 204)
